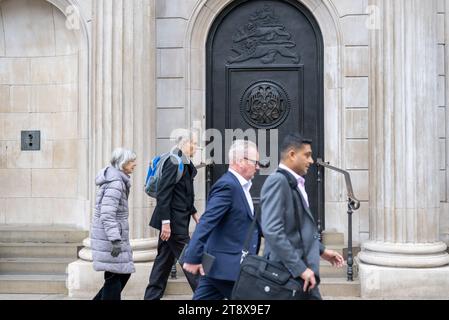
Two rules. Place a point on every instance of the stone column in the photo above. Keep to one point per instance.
(404, 258)
(123, 63)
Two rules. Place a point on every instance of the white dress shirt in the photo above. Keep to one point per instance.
(246, 185)
(301, 182)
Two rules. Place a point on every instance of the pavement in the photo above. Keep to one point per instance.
(61, 297)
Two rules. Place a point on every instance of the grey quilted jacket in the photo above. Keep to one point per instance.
(110, 222)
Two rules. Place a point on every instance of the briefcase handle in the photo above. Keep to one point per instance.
(279, 276)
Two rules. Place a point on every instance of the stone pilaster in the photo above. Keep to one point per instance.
(123, 65)
(404, 257)
(124, 91)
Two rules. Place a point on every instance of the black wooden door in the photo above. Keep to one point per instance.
(265, 71)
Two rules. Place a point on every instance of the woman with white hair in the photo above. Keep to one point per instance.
(111, 250)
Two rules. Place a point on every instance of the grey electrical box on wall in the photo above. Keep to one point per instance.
(31, 140)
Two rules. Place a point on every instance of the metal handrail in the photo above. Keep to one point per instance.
(353, 205)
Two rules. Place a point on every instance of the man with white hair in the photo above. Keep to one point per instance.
(175, 206)
(224, 226)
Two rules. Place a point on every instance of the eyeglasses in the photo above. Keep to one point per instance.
(256, 163)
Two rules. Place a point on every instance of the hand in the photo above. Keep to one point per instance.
(165, 232)
(116, 248)
(194, 268)
(196, 217)
(334, 258)
(309, 280)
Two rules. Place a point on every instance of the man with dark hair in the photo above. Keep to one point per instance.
(291, 234)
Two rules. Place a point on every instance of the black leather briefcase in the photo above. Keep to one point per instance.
(262, 279)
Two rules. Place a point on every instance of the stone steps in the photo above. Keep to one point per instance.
(333, 238)
(38, 250)
(34, 259)
(41, 234)
(33, 283)
(334, 284)
(338, 287)
(343, 250)
(178, 286)
(338, 248)
(328, 271)
(35, 265)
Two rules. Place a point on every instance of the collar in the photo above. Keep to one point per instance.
(243, 181)
(298, 178)
(185, 158)
(125, 177)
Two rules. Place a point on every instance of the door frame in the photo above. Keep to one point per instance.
(318, 146)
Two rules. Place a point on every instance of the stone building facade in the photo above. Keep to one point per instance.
(93, 75)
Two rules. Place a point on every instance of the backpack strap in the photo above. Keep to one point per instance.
(296, 203)
(295, 190)
(152, 168)
(180, 164)
(180, 168)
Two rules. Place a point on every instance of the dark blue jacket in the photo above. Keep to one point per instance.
(222, 229)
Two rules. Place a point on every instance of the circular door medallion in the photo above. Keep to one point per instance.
(265, 105)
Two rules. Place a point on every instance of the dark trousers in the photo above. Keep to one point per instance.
(213, 289)
(167, 252)
(113, 286)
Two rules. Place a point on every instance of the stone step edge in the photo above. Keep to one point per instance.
(45, 260)
(33, 277)
(41, 244)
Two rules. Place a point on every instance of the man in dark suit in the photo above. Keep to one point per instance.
(291, 236)
(175, 206)
(224, 225)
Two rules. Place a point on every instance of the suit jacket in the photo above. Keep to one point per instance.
(290, 239)
(222, 229)
(175, 201)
